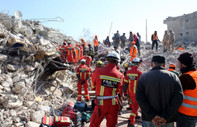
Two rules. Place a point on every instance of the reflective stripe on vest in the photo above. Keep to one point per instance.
(110, 78)
(114, 94)
(101, 94)
(189, 105)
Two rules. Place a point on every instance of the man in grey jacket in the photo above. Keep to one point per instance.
(159, 95)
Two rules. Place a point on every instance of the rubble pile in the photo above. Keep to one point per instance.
(28, 89)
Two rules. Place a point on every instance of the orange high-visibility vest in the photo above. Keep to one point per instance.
(133, 52)
(77, 51)
(189, 105)
(96, 42)
(155, 37)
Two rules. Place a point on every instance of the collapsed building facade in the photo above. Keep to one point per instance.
(184, 27)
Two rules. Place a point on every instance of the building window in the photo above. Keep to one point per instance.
(187, 32)
(186, 20)
(181, 34)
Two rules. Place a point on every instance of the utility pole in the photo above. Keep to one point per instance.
(146, 31)
(110, 29)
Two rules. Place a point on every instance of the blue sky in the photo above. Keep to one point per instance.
(85, 18)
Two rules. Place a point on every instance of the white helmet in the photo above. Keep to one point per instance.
(83, 60)
(136, 60)
(113, 55)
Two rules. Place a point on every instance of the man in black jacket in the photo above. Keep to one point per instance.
(159, 95)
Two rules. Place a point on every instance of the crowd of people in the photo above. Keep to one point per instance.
(164, 96)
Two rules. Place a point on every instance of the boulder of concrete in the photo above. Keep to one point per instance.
(3, 57)
(32, 124)
(37, 116)
(11, 67)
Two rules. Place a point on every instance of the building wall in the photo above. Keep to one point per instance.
(184, 27)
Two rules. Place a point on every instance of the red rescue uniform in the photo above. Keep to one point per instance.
(131, 78)
(108, 83)
(93, 77)
(88, 60)
(83, 73)
(63, 53)
(70, 52)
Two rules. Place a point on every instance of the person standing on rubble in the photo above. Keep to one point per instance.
(171, 40)
(63, 52)
(123, 40)
(70, 53)
(131, 79)
(77, 51)
(107, 41)
(187, 113)
(83, 73)
(131, 36)
(159, 95)
(83, 43)
(155, 40)
(133, 51)
(165, 41)
(96, 44)
(172, 68)
(138, 43)
(91, 51)
(87, 58)
(116, 39)
(108, 83)
(99, 65)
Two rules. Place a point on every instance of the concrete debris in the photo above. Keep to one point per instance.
(37, 116)
(28, 87)
(33, 80)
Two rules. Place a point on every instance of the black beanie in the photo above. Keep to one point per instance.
(158, 59)
(186, 59)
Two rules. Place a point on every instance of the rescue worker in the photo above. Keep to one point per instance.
(87, 58)
(70, 53)
(187, 113)
(116, 49)
(131, 78)
(83, 43)
(96, 43)
(131, 36)
(172, 68)
(83, 73)
(155, 40)
(123, 40)
(138, 43)
(63, 52)
(171, 40)
(125, 68)
(99, 65)
(133, 51)
(107, 41)
(81, 51)
(91, 51)
(77, 51)
(165, 41)
(116, 39)
(108, 83)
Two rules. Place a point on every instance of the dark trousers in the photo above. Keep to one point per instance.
(186, 121)
(155, 43)
(138, 49)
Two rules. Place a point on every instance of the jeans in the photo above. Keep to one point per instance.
(150, 124)
(186, 121)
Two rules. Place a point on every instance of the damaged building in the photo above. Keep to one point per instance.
(184, 27)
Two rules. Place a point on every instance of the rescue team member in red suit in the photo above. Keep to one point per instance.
(131, 78)
(93, 74)
(70, 53)
(63, 52)
(87, 58)
(83, 73)
(108, 83)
